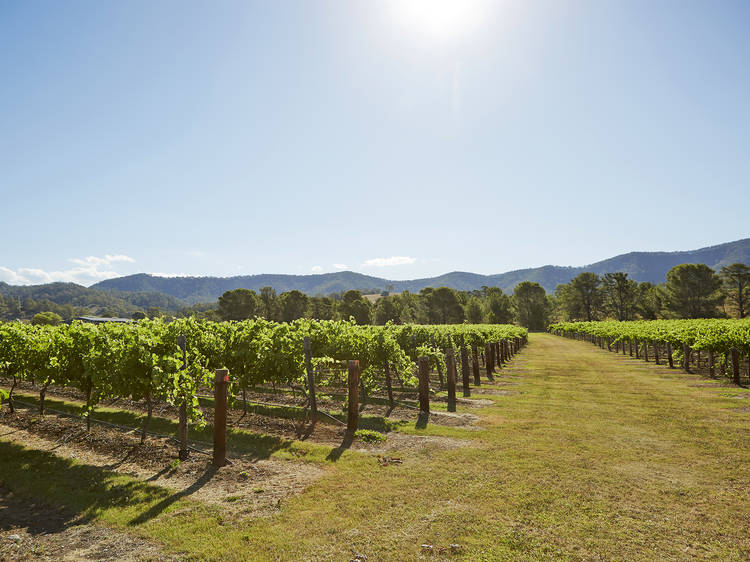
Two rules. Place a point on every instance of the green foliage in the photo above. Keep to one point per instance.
(47, 319)
(692, 291)
(370, 436)
(736, 284)
(531, 305)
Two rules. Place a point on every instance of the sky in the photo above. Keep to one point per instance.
(397, 138)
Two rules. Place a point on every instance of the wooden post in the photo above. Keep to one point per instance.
(439, 367)
(630, 342)
(352, 418)
(735, 365)
(475, 364)
(310, 380)
(182, 425)
(498, 355)
(450, 365)
(645, 350)
(465, 370)
(220, 417)
(424, 385)
(656, 352)
(488, 361)
(388, 384)
(670, 360)
(711, 363)
(686, 357)
(637, 349)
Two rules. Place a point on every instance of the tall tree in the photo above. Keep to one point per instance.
(443, 305)
(736, 283)
(353, 304)
(499, 308)
(650, 301)
(692, 291)
(387, 309)
(586, 289)
(270, 303)
(620, 295)
(532, 308)
(239, 304)
(474, 312)
(292, 305)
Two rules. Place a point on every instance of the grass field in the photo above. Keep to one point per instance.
(590, 455)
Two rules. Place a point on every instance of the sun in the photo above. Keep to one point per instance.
(439, 19)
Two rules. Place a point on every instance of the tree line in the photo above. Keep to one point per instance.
(690, 291)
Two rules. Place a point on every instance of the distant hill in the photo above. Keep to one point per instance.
(641, 266)
(82, 300)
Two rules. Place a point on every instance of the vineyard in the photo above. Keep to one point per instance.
(304, 369)
(716, 347)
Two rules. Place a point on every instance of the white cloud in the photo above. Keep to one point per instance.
(389, 262)
(87, 271)
(340, 266)
(316, 269)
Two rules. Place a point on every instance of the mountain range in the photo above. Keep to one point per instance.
(641, 266)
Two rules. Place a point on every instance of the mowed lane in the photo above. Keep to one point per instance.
(585, 455)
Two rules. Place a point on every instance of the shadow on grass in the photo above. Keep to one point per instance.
(157, 509)
(44, 476)
(336, 453)
(252, 445)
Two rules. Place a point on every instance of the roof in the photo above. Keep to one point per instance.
(101, 319)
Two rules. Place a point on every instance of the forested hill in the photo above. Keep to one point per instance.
(641, 266)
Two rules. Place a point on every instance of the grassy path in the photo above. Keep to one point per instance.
(596, 456)
(591, 456)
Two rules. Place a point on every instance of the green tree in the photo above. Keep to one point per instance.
(443, 305)
(239, 304)
(692, 291)
(499, 307)
(387, 309)
(620, 295)
(650, 301)
(531, 305)
(46, 319)
(322, 308)
(292, 305)
(474, 312)
(353, 304)
(736, 284)
(270, 303)
(586, 295)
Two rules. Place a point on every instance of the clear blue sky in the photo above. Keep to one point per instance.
(400, 139)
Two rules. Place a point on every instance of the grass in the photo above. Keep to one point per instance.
(596, 456)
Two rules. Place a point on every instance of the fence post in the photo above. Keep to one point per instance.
(711, 363)
(669, 355)
(465, 370)
(352, 418)
(656, 352)
(450, 365)
(735, 365)
(220, 417)
(489, 360)
(182, 424)
(424, 385)
(475, 364)
(388, 384)
(645, 350)
(310, 380)
(686, 357)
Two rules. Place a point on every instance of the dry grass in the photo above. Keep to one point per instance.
(593, 456)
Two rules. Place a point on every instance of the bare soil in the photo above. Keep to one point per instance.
(35, 531)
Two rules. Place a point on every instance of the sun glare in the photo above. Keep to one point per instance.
(439, 19)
